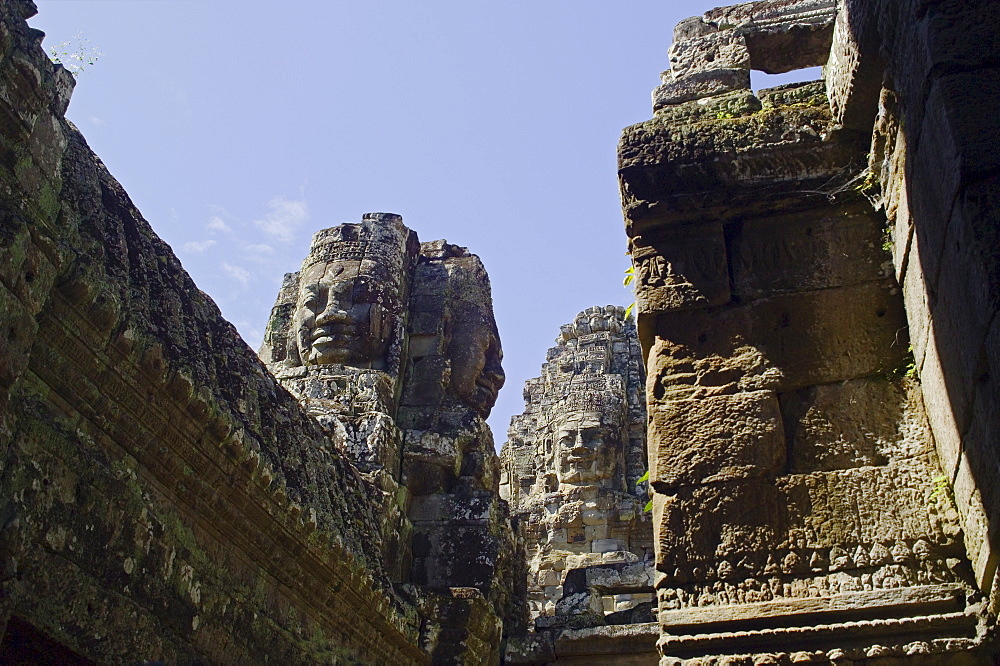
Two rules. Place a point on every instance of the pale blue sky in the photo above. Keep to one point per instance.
(240, 128)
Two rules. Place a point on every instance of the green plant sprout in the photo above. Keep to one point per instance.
(642, 479)
(75, 55)
(911, 367)
(629, 279)
(941, 487)
(629, 276)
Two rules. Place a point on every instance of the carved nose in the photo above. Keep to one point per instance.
(332, 315)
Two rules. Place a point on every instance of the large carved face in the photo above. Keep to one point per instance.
(587, 450)
(336, 318)
(491, 379)
(476, 372)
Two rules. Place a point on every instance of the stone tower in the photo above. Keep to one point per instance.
(391, 344)
(572, 459)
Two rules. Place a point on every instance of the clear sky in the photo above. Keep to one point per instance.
(240, 128)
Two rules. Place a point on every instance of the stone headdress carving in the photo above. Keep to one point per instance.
(347, 305)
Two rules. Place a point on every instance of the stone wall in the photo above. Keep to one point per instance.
(801, 500)
(925, 75)
(162, 496)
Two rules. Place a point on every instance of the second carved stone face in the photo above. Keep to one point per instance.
(491, 379)
(476, 371)
(587, 451)
(336, 320)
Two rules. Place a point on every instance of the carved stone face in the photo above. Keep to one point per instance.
(474, 353)
(491, 379)
(587, 451)
(336, 320)
(477, 374)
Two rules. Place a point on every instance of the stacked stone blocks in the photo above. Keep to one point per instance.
(790, 454)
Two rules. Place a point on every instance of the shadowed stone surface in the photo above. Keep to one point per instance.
(162, 497)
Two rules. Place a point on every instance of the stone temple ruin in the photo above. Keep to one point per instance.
(391, 345)
(572, 470)
(812, 382)
(572, 459)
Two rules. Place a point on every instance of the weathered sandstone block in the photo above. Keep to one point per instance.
(726, 49)
(683, 268)
(712, 55)
(697, 85)
(720, 438)
(781, 36)
(781, 343)
(853, 70)
(802, 251)
(675, 170)
(797, 520)
(854, 423)
(727, 105)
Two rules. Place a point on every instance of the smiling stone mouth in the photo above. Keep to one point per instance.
(325, 335)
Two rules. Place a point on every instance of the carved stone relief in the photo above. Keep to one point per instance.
(791, 458)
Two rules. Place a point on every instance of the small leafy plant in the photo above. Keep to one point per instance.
(941, 487)
(643, 479)
(629, 279)
(76, 54)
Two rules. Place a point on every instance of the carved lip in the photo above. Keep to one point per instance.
(581, 454)
(330, 334)
(490, 381)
